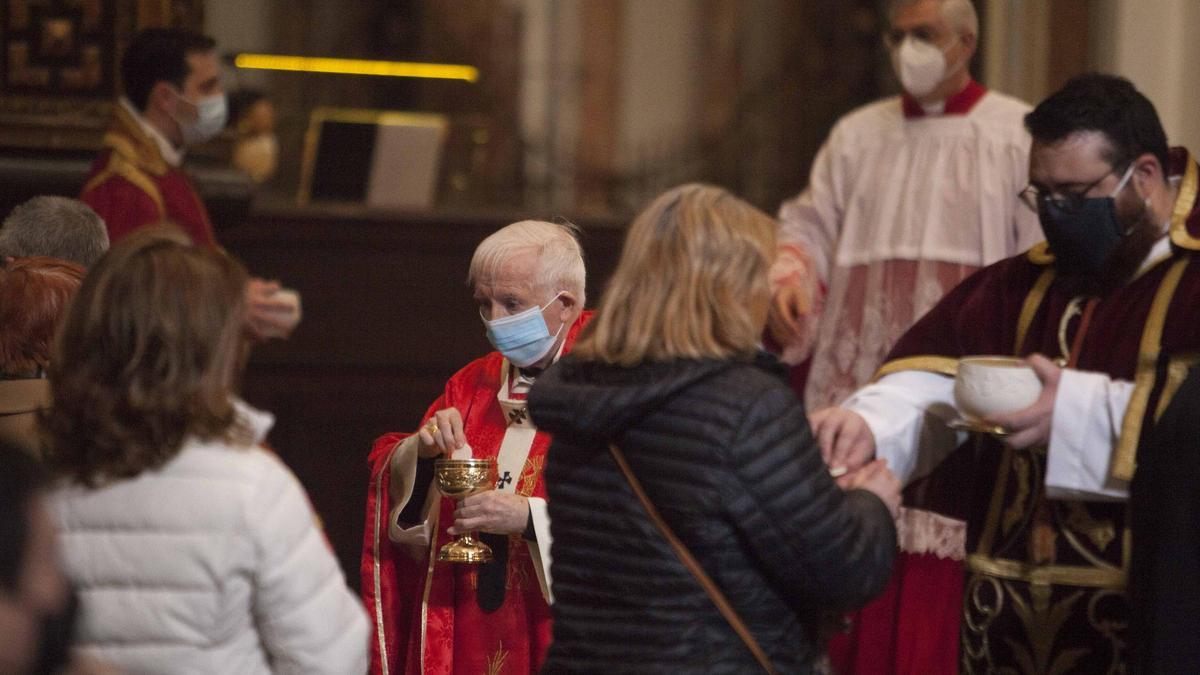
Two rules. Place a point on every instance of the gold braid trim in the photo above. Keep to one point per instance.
(1040, 254)
(1067, 575)
(1184, 204)
(942, 365)
(1028, 310)
(1177, 372)
(119, 166)
(1125, 454)
(380, 629)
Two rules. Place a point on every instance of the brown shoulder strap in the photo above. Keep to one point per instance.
(685, 556)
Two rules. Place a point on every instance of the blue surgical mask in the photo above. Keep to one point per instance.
(212, 113)
(523, 338)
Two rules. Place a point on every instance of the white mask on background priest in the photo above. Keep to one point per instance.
(931, 44)
(173, 79)
(528, 281)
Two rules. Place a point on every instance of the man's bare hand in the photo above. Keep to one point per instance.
(493, 512)
(271, 310)
(1030, 427)
(787, 319)
(441, 433)
(845, 440)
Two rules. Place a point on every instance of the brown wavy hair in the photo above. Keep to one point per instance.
(34, 295)
(148, 356)
(691, 282)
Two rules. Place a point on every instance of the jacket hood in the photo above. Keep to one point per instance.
(589, 403)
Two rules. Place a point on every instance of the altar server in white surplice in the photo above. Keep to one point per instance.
(908, 196)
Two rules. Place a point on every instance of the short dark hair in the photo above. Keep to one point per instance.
(1104, 103)
(159, 55)
(21, 478)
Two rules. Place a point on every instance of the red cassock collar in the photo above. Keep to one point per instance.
(958, 104)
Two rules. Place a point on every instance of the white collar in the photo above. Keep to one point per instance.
(936, 108)
(257, 422)
(170, 154)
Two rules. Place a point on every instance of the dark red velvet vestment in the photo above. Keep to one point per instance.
(1045, 584)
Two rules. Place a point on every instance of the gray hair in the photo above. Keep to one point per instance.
(58, 227)
(560, 258)
(960, 14)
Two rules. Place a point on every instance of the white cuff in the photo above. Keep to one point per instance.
(403, 467)
(539, 550)
(1084, 428)
(905, 412)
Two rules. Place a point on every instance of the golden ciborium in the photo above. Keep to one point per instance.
(459, 479)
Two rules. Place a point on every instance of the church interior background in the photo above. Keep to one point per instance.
(576, 109)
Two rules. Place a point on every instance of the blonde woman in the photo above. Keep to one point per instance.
(670, 372)
(193, 548)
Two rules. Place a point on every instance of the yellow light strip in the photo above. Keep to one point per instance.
(317, 64)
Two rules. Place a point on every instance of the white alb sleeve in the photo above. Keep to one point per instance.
(1088, 411)
(907, 414)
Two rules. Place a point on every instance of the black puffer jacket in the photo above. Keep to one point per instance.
(724, 451)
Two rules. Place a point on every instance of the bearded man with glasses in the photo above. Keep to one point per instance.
(1105, 313)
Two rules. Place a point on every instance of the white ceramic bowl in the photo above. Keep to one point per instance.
(994, 385)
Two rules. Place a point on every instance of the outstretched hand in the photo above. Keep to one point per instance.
(845, 440)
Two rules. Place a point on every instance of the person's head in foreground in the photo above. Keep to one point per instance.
(34, 595)
(149, 355)
(528, 280)
(931, 44)
(670, 373)
(691, 282)
(1098, 178)
(55, 227)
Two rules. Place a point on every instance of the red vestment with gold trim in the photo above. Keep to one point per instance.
(1045, 578)
(426, 614)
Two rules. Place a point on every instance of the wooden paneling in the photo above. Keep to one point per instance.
(387, 318)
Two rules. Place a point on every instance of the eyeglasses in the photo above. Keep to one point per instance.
(1068, 202)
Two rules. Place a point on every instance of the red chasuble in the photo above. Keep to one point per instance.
(131, 185)
(426, 613)
(1045, 579)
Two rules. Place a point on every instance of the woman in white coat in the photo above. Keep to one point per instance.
(193, 548)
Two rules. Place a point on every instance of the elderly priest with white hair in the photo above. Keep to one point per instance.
(441, 617)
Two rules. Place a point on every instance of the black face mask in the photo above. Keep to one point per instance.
(1083, 239)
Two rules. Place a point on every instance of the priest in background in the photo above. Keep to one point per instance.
(908, 197)
(1111, 298)
(441, 617)
(173, 98)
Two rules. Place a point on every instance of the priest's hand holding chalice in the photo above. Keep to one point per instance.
(470, 482)
(1009, 397)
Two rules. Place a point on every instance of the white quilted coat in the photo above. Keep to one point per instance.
(214, 564)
